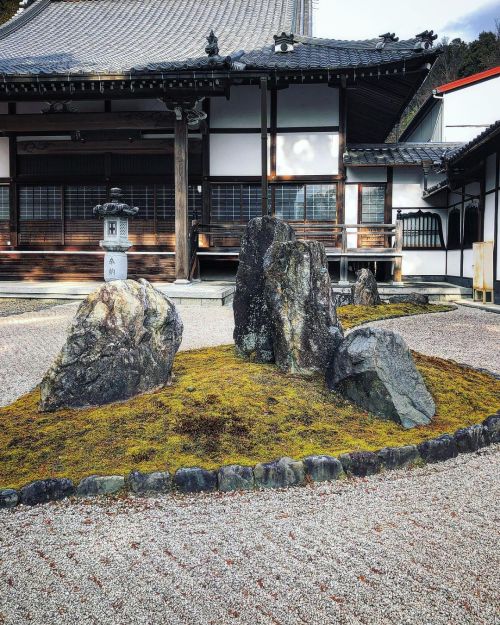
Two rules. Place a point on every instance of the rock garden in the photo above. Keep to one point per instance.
(304, 395)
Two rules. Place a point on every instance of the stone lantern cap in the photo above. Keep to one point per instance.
(115, 207)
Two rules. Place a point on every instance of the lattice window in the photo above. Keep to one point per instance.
(40, 203)
(79, 200)
(472, 224)
(321, 202)
(235, 202)
(454, 229)
(4, 203)
(141, 195)
(422, 230)
(289, 202)
(372, 204)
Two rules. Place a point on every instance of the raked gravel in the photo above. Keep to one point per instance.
(416, 547)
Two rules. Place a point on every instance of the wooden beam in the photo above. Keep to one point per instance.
(263, 134)
(181, 201)
(67, 122)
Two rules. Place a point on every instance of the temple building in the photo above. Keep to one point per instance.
(207, 113)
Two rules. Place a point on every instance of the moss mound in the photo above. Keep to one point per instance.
(223, 409)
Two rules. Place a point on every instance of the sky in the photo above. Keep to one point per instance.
(367, 19)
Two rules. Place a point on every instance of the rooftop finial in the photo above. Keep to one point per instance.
(425, 40)
(212, 49)
(386, 38)
(284, 42)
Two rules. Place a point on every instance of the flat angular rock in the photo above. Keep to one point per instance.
(235, 477)
(361, 463)
(492, 424)
(42, 491)
(252, 333)
(279, 474)
(365, 290)
(398, 457)
(122, 342)
(8, 498)
(304, 325)
(157, 482)
(323, 468)
(438, 449)
(471, 438)
(419, 299)
(195, 480)
(100, 485)
(375, 369)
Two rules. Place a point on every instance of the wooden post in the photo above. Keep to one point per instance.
(398, 247)
(181, 198)
(263, 134)
(344, 262)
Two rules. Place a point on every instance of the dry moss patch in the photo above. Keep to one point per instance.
(356, 315)
(222, 410)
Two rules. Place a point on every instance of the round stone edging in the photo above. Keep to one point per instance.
(281, 473)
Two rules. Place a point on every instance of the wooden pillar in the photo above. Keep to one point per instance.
(13, 200)
(344, 261)
(398, 247)
(263, 134)
(181, 198)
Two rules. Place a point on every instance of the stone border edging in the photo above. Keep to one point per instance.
(281, 473)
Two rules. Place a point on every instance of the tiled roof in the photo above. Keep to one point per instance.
(397, 153)
(464, 149)
(123, 36)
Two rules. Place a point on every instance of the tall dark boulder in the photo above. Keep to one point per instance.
(365, 290)
(304, 326)
(252, 333)
(375, 369)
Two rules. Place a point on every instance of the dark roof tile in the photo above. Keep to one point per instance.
(396, 153)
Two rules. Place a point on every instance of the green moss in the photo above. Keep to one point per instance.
(222, 409)
(356, 315)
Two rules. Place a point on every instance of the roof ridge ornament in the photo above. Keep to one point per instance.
(425, 40)
(386, 38)
(284, 42)
(212, 48)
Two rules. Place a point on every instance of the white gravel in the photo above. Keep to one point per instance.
(402, 548)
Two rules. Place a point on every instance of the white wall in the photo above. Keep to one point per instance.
(300, 154)
(491, 163)
(366, 174)
(4, 157)
(308, 105)
(467, 266)
(454, 263)
(489, 217)
(351, 213)
(242, 110)
(470, 110)
(235, 155)
(424, 263)
(4, 108)
(430, 127)
(407, 189)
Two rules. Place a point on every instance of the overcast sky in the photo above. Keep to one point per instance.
(365, 19)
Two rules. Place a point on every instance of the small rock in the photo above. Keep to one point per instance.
(149, 483)
(323, 468)
(279, 473)
(375, 369)
(100, 485)
(235, 477)
(471, 438)
(342, 299)
(195, 480)
(418, 299)
(43, 491)
(365, 290)
(492, 424)
(361, 463)
(438, 449)
(397, 457)
(8, 498)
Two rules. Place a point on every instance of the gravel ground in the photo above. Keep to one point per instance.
(467, 335)
(415, 547)
(16, 306)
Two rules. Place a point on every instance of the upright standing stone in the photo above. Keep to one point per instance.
(304, 325)
(122, 342)
(252, 333)
(365, 290)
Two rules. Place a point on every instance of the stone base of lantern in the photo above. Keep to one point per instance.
(115, 266)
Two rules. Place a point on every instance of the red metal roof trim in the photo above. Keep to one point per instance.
(462, 82)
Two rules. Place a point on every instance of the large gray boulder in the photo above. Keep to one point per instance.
(122, 342)
(365, 290)
(375, 369)
(304, 326)
(252, 333)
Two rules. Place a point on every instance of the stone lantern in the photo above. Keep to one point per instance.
(115, 215)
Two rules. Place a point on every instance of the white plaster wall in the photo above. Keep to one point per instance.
(467, 268)
(424, 263)
(407, 189)
(4, 157)
(474, 188)
(235, 155)
(489, 217)
(351, 213)
(454, 197)
(430, 128)
(366, 174)
(307, 154)
(87, 106)
(4, 108)
(491, 163)
(308, 105)
(242, 110)
(453, 263)
(468, 111)
(138, 105)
